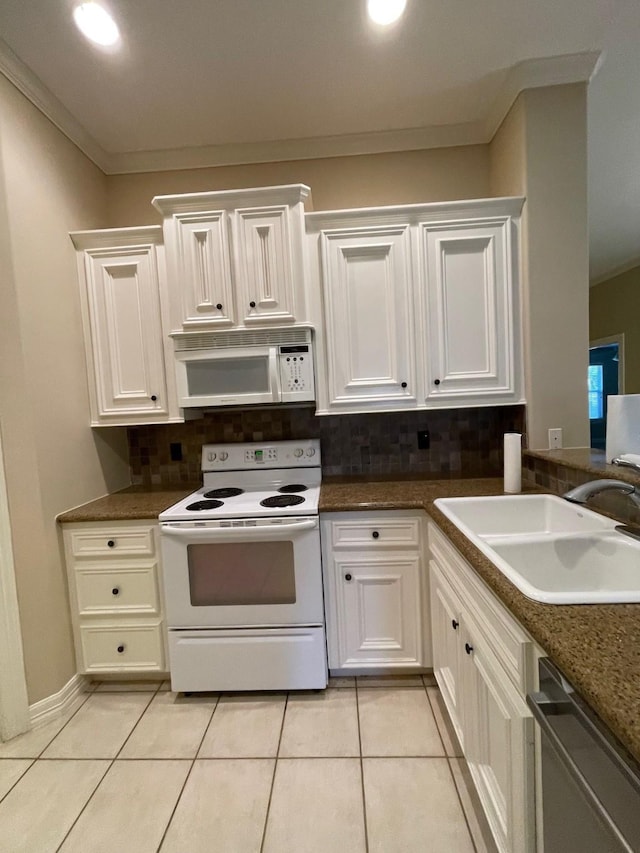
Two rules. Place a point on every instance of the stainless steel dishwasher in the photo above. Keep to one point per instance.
(590, 786)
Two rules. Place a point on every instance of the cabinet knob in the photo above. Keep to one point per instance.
(115, 590)
(375, 534)
(252, 305)
(154, 397)
(120, 649)
(111, 543)
(468, 649)
(436, 381)
(348, 577)
(219, 306)
(454, 624)
(404, 384)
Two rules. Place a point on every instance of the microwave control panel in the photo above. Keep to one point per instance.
(296, 371)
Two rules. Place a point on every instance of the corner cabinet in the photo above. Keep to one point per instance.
(235, 258)
(376, 591)
(115, 596)
(119, 272)
(419, 306)
(484, 664)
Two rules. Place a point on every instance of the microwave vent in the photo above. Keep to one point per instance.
(240, 338)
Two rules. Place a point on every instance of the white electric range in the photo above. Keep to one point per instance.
(242, 571)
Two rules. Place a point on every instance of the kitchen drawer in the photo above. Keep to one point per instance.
(120, 541)
(509, 642)
(104, 589)
(376, 533)
(118, 648)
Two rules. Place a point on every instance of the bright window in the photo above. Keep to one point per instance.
(595, 392)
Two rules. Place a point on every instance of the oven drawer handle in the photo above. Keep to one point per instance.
(219, 534)
(539, 703)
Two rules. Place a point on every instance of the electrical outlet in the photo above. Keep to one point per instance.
(175, 451)
(555, 438)
(424, 439)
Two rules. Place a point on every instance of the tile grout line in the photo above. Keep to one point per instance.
(21, 776)
(364, 801)
(186, 779)
(100, 781)
(273, 777)
(453, 778)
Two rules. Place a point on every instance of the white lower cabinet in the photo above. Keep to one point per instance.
(115, 596)
(483, 662)
(375, 591)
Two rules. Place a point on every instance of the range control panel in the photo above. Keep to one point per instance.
(304, 453)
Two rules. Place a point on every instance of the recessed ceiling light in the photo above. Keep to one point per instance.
(385, 12)
(96, 24)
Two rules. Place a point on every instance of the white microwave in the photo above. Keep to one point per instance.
(242, 368)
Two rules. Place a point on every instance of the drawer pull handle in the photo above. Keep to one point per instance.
(468, 649)
(375, 534)
(111, 543)
(121, 649)
(454, 624)
(115, 590)
(348, 577)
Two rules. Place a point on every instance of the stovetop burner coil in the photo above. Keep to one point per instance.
(294, 487)
(201, 505)
(282, 501)
(228, 492)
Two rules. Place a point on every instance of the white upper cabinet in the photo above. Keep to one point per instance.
(119, 271)
(235, 258)
(419, 306)
(467, 273)
(369, 332)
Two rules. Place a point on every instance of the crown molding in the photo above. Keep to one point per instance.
(32, 88)
(631, 264)
(531, 73)
(537, 73)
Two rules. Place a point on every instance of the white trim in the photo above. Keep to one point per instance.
(529, 74)
(32, 88)
(53, 706)
(616, 271)
(614, 339)
(14, 715)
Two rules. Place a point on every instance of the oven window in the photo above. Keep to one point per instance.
(228, 376)
(241, 573)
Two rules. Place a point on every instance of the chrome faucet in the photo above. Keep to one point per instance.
(581, 494)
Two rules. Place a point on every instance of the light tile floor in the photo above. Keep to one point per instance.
(370, 764)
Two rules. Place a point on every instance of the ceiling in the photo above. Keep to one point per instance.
(207, 82)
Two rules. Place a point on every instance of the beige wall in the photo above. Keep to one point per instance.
(53, 461)
(614, 309)
(406, 177)
(541, 151)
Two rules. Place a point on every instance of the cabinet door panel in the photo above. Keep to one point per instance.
(470, 322)
(124, 312)
(265, 274)
(370, 340)
(201, 275)
(445, 625)
(499, 741)
(379, 610)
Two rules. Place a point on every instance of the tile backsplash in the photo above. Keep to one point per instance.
(463, 442)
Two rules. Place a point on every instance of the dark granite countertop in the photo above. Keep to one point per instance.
(596, 646)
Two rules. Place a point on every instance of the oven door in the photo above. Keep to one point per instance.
(258, 572)
(228, 377)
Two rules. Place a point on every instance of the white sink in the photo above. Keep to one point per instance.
(516, 515)
(552, 551)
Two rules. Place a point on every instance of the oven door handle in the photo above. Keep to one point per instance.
(230, 534)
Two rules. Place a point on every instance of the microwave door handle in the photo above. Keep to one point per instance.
(274, 374)
(230, 534)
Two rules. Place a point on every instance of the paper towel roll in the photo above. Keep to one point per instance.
(512, 462)
(623, 425)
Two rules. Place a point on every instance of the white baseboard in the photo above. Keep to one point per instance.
(53, 706)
